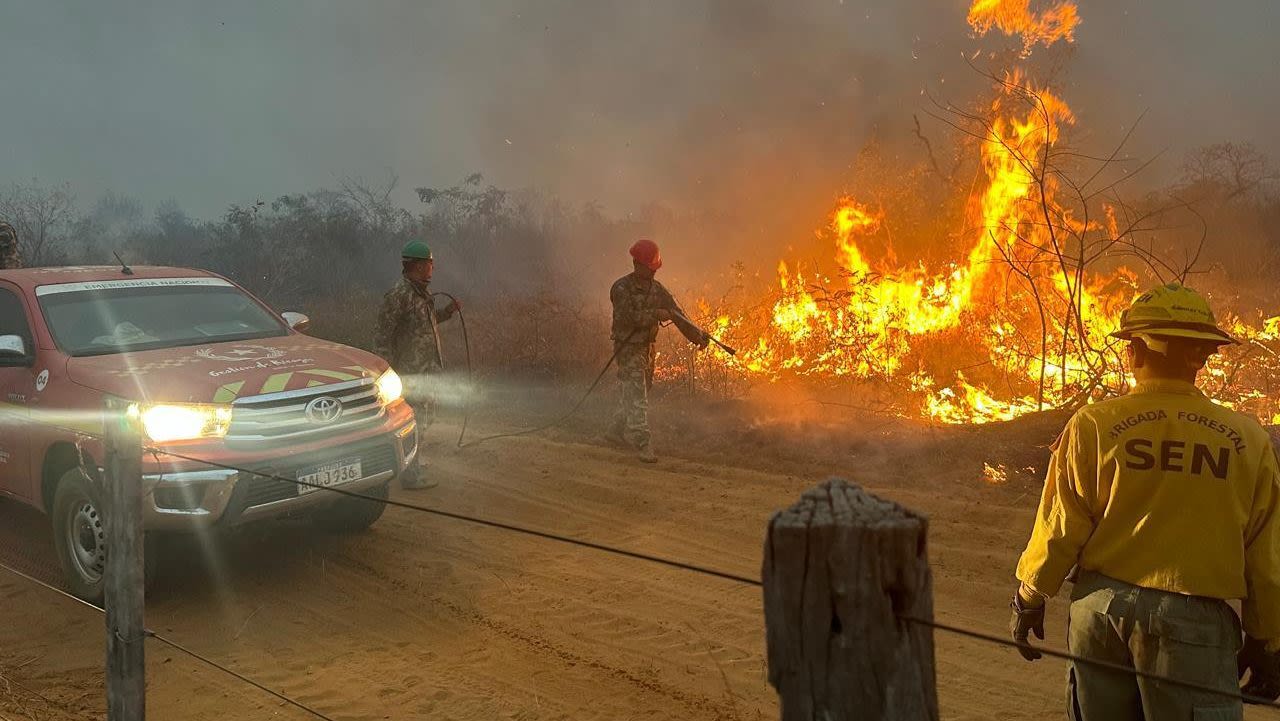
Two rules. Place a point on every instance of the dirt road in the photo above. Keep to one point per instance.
(428, 617)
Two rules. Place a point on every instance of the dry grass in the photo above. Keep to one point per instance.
(539, 336)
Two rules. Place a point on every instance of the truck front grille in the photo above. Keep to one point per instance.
(281, 418)
(374, 458)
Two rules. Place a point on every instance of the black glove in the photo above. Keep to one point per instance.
(1025, 621)
(1264, 681)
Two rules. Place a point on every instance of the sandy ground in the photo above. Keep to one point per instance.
(428, 617)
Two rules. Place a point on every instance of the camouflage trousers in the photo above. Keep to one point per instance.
(1188, 638)
(424, 415)
(420, 392)
(635, 375)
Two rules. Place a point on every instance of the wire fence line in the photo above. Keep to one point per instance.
(1097, 663)
(591, 545)
(547, 535)
(170, 643)
(90, 469)
(237, 675)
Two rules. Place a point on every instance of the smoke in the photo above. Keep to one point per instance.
(727, 128)
(748, 115)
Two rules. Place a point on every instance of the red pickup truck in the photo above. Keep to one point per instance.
(217, 375)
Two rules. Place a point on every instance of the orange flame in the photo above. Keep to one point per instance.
(1014, 17)
(1034, 333)
(995, 475)
(868, 325)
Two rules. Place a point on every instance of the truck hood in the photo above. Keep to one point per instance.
(223, 372)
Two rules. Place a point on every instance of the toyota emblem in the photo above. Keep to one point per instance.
(324, 409)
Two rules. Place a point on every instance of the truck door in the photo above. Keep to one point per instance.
(17, 383)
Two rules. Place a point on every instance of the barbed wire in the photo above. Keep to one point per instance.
(172, 644)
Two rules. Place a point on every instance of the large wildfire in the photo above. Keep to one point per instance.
(1020, 322)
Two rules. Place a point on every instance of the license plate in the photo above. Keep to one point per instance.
(330, 474)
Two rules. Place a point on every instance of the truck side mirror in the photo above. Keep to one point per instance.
(296, 321)
(13, 351)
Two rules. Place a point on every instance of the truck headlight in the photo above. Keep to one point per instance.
(165, 422)
(390, 387)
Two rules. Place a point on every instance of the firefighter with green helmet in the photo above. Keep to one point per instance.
(1167, 505)
(408, 337)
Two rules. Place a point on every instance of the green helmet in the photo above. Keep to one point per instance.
(416, 249)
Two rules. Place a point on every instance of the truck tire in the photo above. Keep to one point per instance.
(349, 515)
(80, 538)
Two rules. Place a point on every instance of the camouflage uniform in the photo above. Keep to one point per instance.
(636, 302)
(408, 337)
(9, 256)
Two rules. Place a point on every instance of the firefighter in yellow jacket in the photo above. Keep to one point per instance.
(1166, 504)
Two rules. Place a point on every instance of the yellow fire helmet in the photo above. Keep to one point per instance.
(1171, 311)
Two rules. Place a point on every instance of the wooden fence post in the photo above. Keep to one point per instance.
(841, 569)
(122, 491)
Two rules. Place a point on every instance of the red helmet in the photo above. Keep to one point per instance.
(646, 253)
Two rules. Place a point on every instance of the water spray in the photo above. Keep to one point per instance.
(678, 318)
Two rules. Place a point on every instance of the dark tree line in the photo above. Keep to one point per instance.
(533, 271)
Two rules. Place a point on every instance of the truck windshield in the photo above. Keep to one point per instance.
(118, 316)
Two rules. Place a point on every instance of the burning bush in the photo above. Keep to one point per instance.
(1021, 320)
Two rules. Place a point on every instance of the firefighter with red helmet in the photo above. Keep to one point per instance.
(640, 306)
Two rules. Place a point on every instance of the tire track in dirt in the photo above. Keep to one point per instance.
(386, 585)
(549, 649)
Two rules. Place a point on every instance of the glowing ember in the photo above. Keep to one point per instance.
(995, 475)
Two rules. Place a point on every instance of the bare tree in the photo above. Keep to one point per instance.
(43, 217)
(374, 202)
(1238, 170)
(1071, 228)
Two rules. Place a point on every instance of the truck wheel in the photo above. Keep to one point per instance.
(348, 515)
(80, 538)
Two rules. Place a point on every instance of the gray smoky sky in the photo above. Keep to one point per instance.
(718, 102)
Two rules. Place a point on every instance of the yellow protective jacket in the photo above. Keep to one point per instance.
(1164, 489)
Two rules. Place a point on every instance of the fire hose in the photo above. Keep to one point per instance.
(677, 318)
